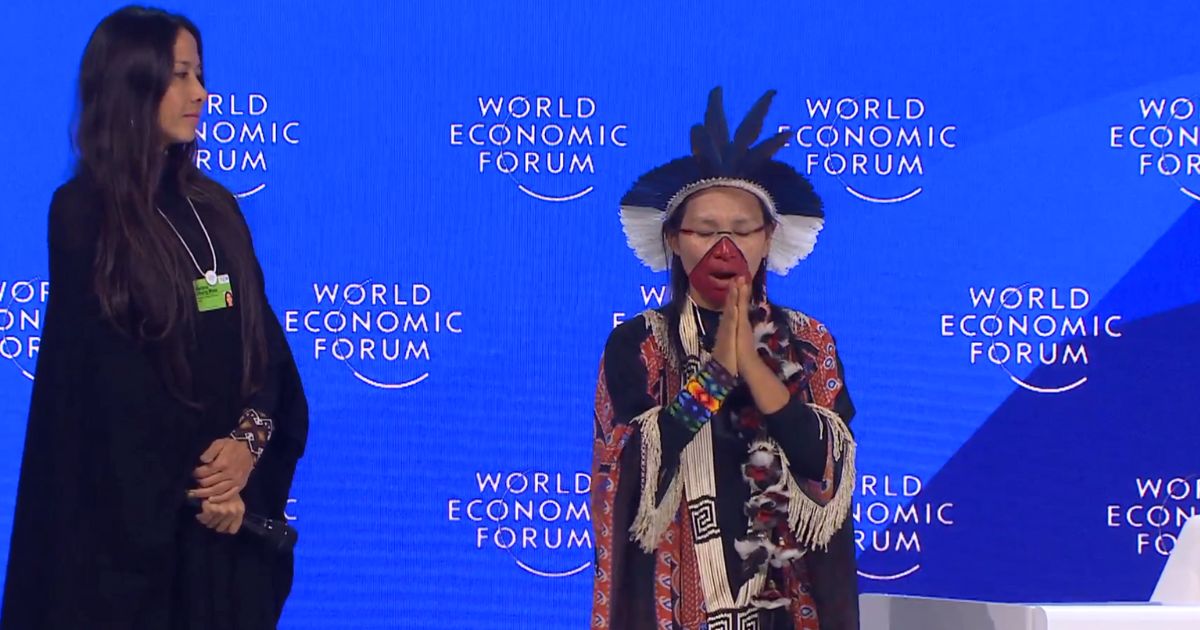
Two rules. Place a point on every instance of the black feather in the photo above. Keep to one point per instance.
(748, 131)
(714, 118)
(762, 153)
(706, 152)
(655, 188)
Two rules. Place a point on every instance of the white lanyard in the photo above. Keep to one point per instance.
(211, 275)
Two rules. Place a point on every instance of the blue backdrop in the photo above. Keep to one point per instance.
(1009, 265)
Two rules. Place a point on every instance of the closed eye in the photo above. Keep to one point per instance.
(738, 232)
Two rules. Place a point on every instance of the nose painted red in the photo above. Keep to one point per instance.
(715, 274)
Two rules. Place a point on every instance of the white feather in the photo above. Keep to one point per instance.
(788, 369)
(762, 459)
(773, 603)
(781, 556)
(793, 240)
(763, 330)
(643, 232)
(747, 546)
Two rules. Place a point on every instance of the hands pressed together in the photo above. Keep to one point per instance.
(735, 347)
(222, 474)
(736, 350)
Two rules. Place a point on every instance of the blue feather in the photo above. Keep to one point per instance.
(748, 131)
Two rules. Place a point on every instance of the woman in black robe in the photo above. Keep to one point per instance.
(167, 404)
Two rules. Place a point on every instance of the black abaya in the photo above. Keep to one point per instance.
(102, 534)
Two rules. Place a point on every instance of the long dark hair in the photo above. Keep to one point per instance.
(679, 279)
(142, 278)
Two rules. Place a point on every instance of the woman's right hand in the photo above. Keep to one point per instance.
(225, 517)
(725, 349)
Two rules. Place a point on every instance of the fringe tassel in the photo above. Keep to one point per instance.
(658, 328)
(812, 523)
(798, 319)
(689, 333)
(652, 520)
(699, 483)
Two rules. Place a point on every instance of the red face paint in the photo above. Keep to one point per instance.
(714, 275)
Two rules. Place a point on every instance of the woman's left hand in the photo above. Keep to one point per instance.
(225, 518)
(224, 470)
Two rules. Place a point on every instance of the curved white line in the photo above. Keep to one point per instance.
(1184, 190)
(374, 383)
(1048, 390)
(252, 191)
(545, 198)
(902, 574)
(553, 575)
(910, 195)
(26, 373)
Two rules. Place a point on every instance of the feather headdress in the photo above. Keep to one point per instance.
(720, 160)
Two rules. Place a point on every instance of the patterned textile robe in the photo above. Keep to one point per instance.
(658, 538)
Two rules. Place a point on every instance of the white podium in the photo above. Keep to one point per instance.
(1175, 605)
(899, 612)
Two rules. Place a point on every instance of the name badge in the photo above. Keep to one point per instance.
(214, 297)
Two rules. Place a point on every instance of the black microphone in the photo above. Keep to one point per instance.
(278, 535)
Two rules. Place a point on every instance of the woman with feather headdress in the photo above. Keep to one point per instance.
(723, 469)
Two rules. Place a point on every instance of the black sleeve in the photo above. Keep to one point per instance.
(680, 417)
(102, 484)
(625, 374)
(282, 399)
(282, 396)
(797, 429)
(281, 388)
(621, 396)
(52, 464)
